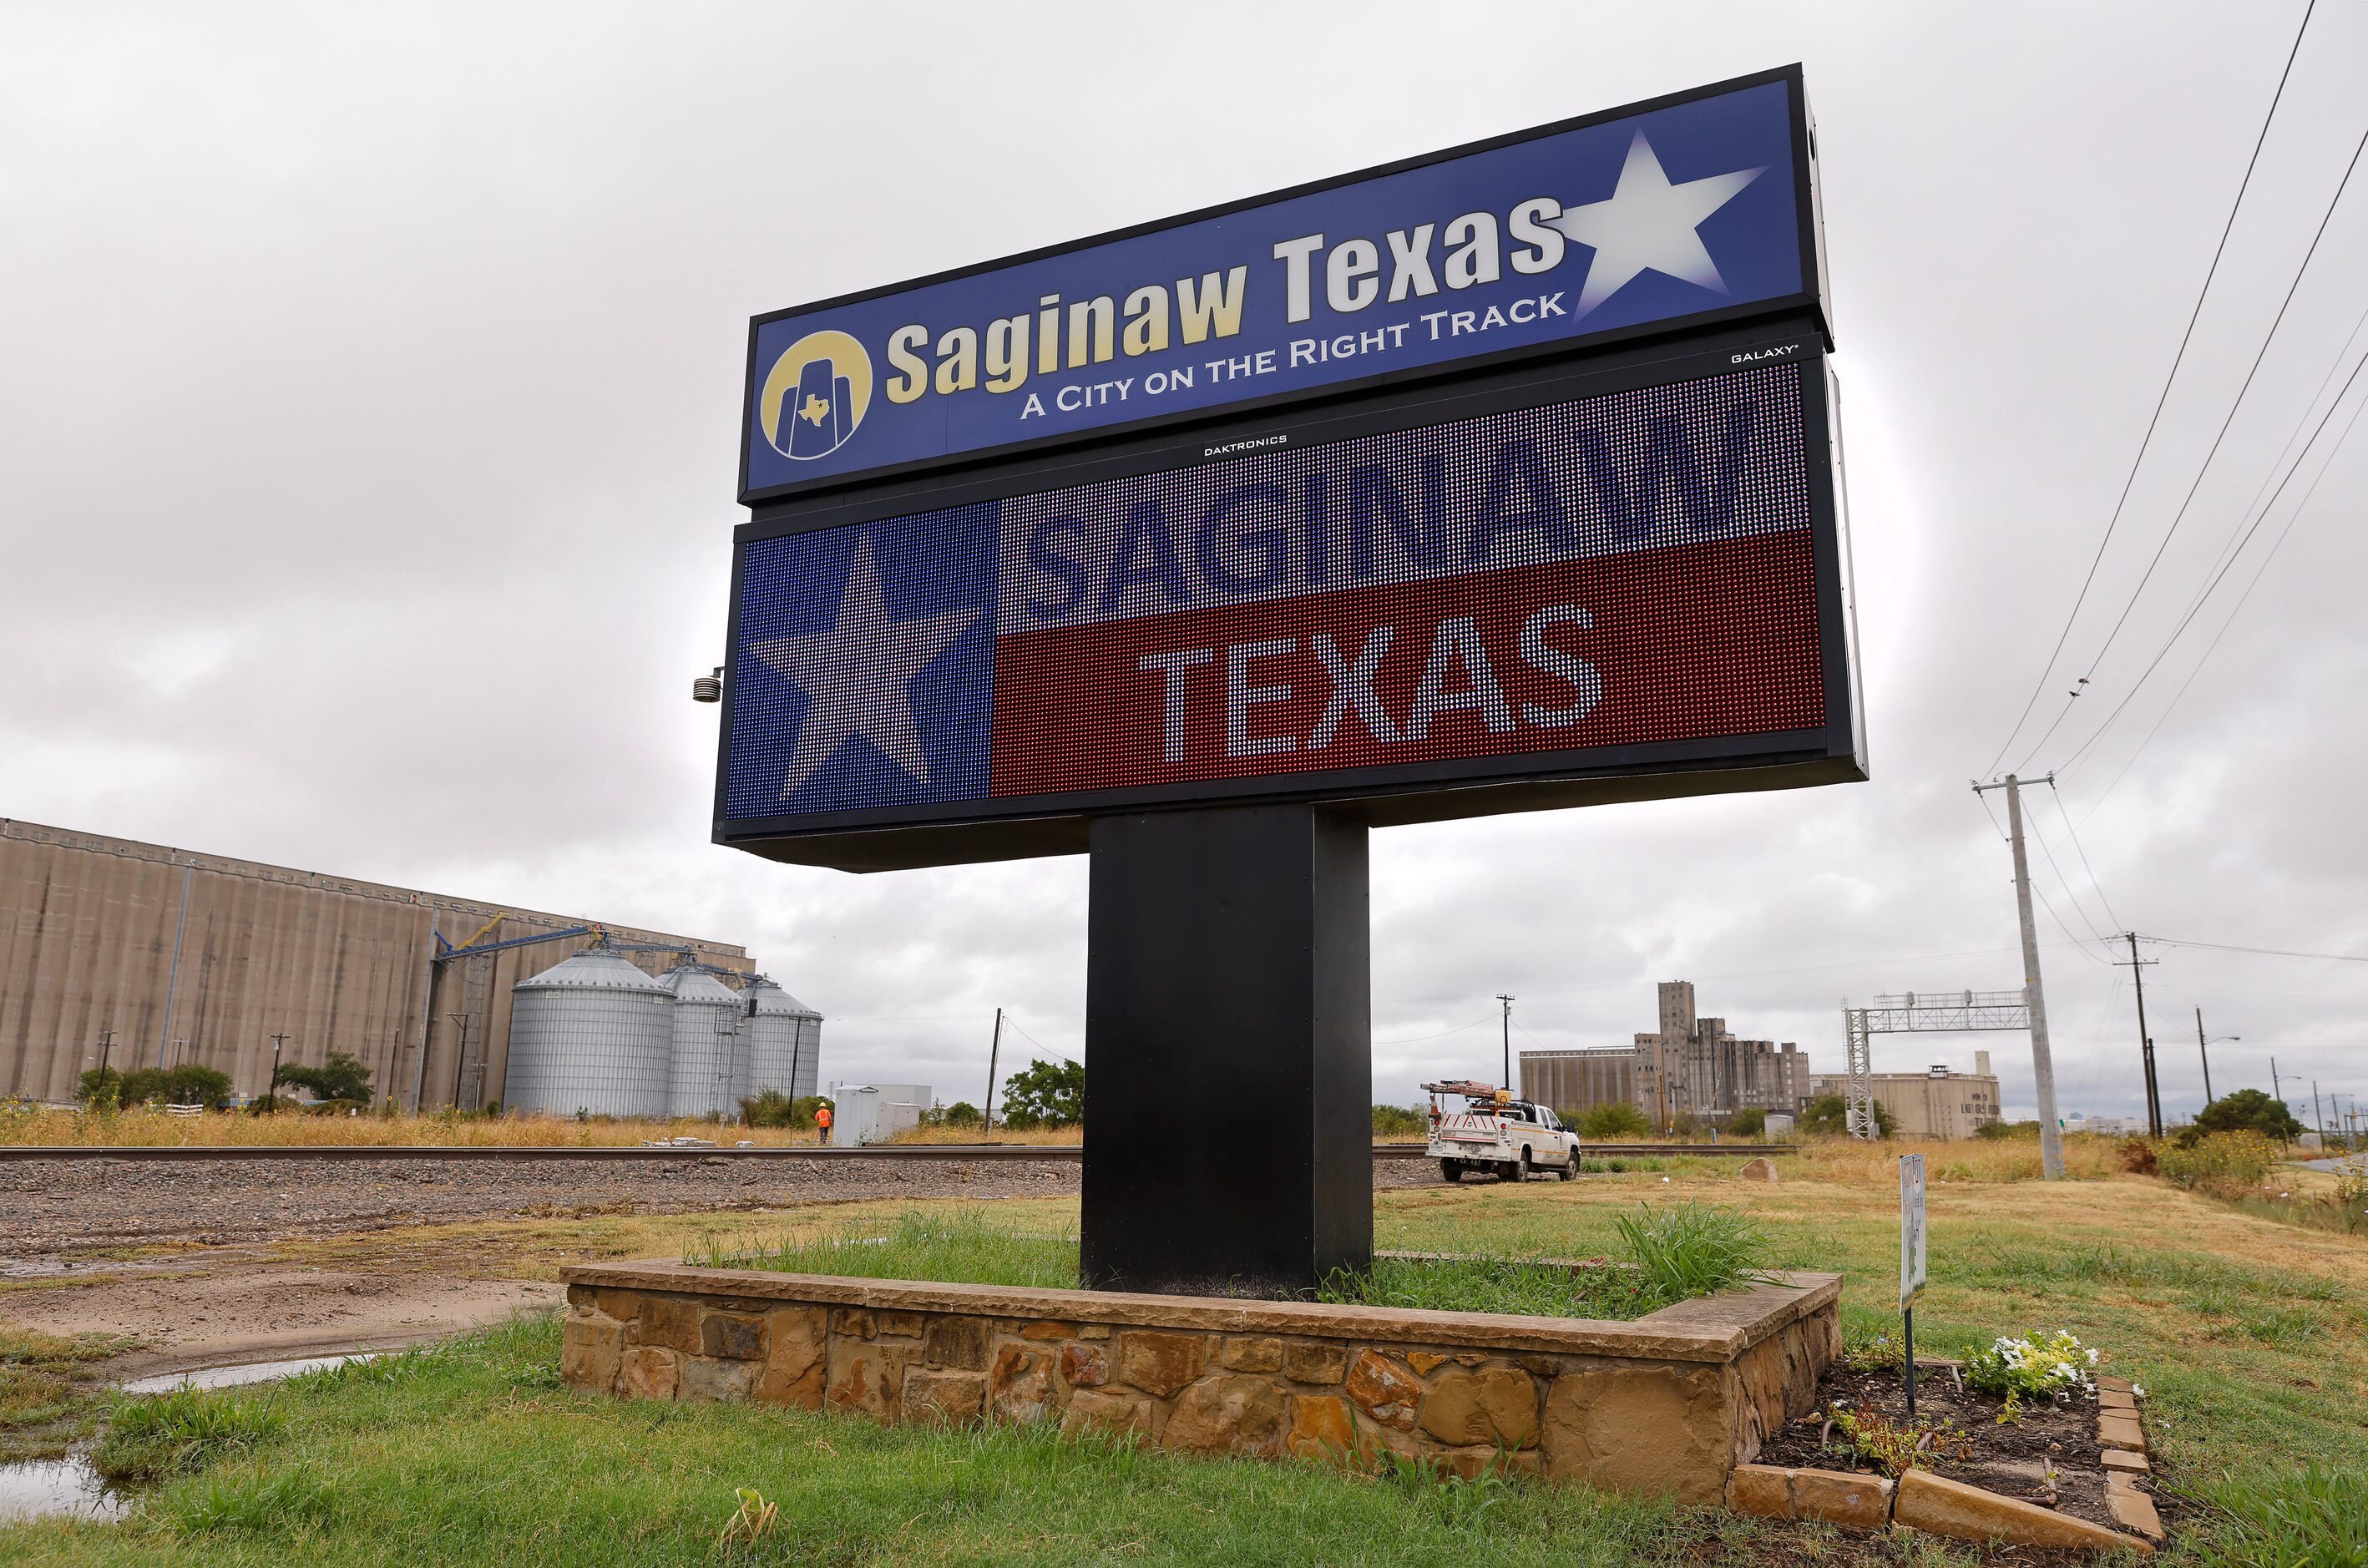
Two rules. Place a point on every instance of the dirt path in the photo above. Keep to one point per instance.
(218, 1312)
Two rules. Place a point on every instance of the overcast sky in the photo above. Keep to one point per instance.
(370, 382)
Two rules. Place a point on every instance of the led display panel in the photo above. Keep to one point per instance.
(1581, 584)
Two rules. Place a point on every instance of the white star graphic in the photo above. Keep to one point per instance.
(1648, 223)
(856, 675)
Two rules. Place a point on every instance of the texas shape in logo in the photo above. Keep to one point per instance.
(815, 395)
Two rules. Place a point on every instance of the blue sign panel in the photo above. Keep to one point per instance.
(1689, 211)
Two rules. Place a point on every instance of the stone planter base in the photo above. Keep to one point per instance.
(1669, 1403)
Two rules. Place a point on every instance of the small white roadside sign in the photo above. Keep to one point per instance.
(1911, 1229)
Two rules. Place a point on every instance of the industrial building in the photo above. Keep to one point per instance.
(1573, 1081)
(1936, 1103)
(142, 955)
(1710, 1072)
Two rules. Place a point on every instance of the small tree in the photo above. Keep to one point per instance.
(1045, 1094)
(1614, 1119)
(342, 1077)
(961, 1113)
(1830, 1114)
(144, 1086)
(2249, 1110)
(1747, 1123)
(1399, 1122)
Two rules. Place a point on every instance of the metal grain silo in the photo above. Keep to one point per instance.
(708, 1056)
(590, 1034)
(785, 1041)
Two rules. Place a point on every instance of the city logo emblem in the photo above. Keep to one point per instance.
(815, 395)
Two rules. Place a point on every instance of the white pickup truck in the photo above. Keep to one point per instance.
(1497, 1132)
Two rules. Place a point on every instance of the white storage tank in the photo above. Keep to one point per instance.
(709, 1073)
(784, 1040)
(591, 1034)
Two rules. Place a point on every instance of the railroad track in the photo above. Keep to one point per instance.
(1066, 1152)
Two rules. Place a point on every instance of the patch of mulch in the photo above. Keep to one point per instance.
(2012, 1460)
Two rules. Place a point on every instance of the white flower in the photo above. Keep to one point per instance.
(2136, 1392)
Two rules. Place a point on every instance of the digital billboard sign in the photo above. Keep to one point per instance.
(1530, 589)
(1693, 210)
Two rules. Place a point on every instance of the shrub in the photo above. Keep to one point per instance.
(1893, 1448)
(2138, 1156)
(101, 1088)
(1688, 1249)
(771, 1107)
(1612, 1118)
(1749, 1123)
(2249, 1110)
(342, 1077)
(2053, 1366)
(1399, 1122)
(2226, 1164)
(153, 1436)
(1829, 1114)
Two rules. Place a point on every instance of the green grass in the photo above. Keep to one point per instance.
(49, 1396)
(153, 1436)
(2309, 1517)
(470, 1454)
(1674, 1253)
(1535, 1288)
(957, 1245)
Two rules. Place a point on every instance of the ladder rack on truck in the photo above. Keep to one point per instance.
(1497, 1132)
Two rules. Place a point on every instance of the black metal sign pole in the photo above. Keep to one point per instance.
(1228, 1013)
(1908, 1316)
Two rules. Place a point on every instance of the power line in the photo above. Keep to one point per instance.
(2209, 648)
(2265, 952)
(2213, 451)
(2177, 359)
(2214, 584)
(2278, 465)
(1419, 1039)
(2057, 796)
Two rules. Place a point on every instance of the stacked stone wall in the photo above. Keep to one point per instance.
(1669, 1403)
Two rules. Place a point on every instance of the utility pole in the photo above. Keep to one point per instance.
(2203, 1049)
(2318, 1117)
(105, 1050)
(993, 1051)
(1507, 1010)
(2277, 1089)
(2138, 968)
(2042, 1062)
(272, 1092)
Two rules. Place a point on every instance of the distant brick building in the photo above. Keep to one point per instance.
(1936, 1103)
(1711, 1073)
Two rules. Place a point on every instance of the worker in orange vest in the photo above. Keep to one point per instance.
(822, 1122)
